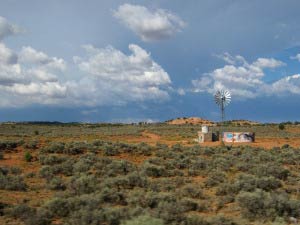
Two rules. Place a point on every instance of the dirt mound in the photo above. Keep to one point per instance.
(190, 120)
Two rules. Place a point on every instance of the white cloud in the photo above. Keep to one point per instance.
(268, 63)
(296, 57)
(32, 56)
(149, 25)
(24, 81)
(118, 78)
(286, 85)
(8, 29)
(181, 91)
(243, 79)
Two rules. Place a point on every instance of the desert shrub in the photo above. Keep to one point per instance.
(136, 180)
(56, 183)
(271, 169)
(152, 199)
(177, 148)
(15, 170)
(191, 191)
(65, 168)
(248, 183)
(31, 145)
(51, 159)
(40, 217)
(281, 126)
(75, 148)
(30, 175)
(12, 183)
(31, 216)
(189, 204)
(10, 145)
(170, 211)
(119, 167)
(27, 157)
(197, 167)
(196, 220)
(110, 150)
(55, 147)
(261, 204)
(268, 183)
(4, 171)
(58, 207)
(22, 211)
(144, 149)
(221, 220)
(112, 195)
(47, 172)
(86, 217)
(221, 163)
(3, 206)
(81, 166)
(85, 162)
(144, 220)
(154, 170)
(215, 178)
(83, 184)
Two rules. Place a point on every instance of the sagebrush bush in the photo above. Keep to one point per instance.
(56, 183)
(144, 220)
(261, 204)
(12, 183)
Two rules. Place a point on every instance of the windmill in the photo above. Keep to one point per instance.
(222, 99)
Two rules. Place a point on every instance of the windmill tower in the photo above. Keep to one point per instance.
(222, 99)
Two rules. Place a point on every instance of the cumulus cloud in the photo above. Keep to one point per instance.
(149, 25)
(118, 78)
(32, 56)
(285, 86)
(296, 57)
(109, 77)
(243, 79)
(29, 78)
(8, 29)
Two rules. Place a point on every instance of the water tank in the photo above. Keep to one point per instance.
(205, 129)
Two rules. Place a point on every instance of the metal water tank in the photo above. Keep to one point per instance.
(205, 129)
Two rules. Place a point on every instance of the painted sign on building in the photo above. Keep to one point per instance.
(238, 137)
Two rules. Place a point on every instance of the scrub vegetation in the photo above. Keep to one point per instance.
(139, 174)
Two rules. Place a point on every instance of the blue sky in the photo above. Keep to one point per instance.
(129, 61)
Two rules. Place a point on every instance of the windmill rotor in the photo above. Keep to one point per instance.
(223, 98)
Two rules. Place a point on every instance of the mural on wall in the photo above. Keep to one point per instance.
(238, 137)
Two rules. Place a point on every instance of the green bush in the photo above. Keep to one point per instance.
(144, 220)
(27, 157)
(281, 126)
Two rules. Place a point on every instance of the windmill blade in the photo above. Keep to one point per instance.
(226, 97)
(218, 97)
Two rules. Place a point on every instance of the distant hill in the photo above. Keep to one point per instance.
(191, 120)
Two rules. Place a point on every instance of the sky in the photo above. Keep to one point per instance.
(131, 61)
